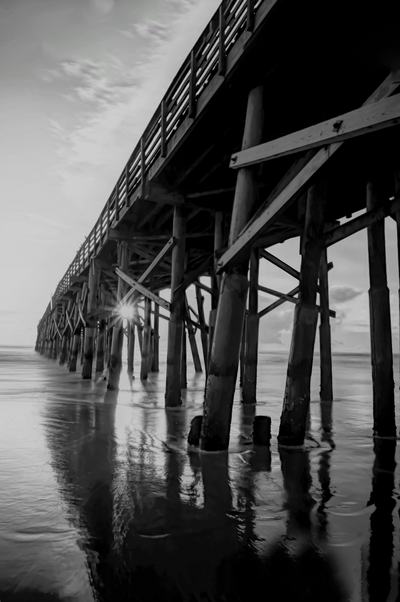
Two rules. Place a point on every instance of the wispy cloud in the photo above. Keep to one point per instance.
(342, 294)
(115, 99)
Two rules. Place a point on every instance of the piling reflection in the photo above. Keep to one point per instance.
(160, 521)
(298, 566)
(381, 543)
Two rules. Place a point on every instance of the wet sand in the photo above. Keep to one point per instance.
(101, 498)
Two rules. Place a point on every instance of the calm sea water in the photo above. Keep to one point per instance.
(100, 498)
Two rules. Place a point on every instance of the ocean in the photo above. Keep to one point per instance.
(101, 498)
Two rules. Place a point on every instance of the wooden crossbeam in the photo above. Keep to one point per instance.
(282, 265)
(69, 322)
(276, 304)
(279, 263)
(166, 249)
(359, 223)
(56, 326)
(291, 185)
(80, 305)
(288, 297)
(142, 289)
(365, 120)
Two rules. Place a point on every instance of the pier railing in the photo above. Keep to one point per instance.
(207, 58)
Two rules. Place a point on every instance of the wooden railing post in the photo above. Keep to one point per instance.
(250, 15)
(221, 52)
(192, 85)
(163, 125)
(142, 163)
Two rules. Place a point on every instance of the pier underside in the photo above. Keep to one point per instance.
(281, 122)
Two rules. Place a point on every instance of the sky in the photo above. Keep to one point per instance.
(80, 81)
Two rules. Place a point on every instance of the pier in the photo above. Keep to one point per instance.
(281, 122)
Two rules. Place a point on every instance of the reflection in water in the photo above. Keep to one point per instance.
(300, 567)
(381, 540)
(109, 476)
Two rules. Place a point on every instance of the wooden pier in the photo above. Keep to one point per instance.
(212, 184)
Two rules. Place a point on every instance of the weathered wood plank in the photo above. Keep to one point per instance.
(292, 185)
(365, 120)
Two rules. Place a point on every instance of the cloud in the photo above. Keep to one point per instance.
(115, 100)
(153, 30)
(275, 325)
(341, 294)
(102, 6)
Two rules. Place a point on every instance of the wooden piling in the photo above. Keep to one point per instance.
(55, 346)
(297, 392)
(175, 326)
(215, 282)
(76, 335)
(64, 342)
(224, 358)
(101, 335)
(90, 330)
(251, 336)
(144, 368)
(202, 322)
(156, 340)
(131, 345)
(380, 324)
(183, 366)
(118, 330)
(242, 352)
(109, 344)
(326, 390)
(397, 192)
(192, 340)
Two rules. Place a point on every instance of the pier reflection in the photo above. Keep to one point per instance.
(162, 523)
(381, 544)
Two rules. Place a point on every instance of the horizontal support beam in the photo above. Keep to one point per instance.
(359, 223)
(79, 278)
(365, 120)
(295, 182)
(142, 289)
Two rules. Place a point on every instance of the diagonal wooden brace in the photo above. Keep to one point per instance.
(142, 289)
